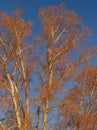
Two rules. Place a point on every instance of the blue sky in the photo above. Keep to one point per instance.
(86, 9)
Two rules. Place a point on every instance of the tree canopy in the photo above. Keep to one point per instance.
(47, 81)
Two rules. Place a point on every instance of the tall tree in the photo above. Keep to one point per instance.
(60, 61)
(63, 31)
(16, 64)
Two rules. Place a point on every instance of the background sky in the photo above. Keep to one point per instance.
(86, 9)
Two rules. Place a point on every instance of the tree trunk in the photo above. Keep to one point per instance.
(37, 118)
(50, 69)
(15, 105)
(44, 119)
(26, 122)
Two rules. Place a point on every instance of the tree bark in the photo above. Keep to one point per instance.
(14, 99)
(44, 119)
(26, 123)
(37, 118)
(46, 105)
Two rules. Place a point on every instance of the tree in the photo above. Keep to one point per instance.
(62, 33)
(56, 105)
(83, 115)
(15, 67)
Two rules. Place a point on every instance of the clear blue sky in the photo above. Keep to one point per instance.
(86, 9)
